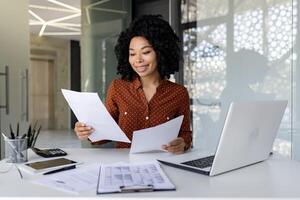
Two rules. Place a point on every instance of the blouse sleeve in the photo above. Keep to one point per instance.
(185, 130)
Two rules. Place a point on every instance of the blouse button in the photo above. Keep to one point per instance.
(168, 118)
(147, 118)
(125, 113)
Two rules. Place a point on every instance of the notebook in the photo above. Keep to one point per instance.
(247, 138)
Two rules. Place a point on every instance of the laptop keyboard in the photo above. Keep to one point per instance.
(200, 163)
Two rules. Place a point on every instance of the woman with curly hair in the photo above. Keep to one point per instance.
(148, 52)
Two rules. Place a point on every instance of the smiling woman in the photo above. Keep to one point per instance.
(159, 36)
(148, 53)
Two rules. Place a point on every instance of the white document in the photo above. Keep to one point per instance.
(72, 181)
(147, 176)
(89, 109)
(151, 139)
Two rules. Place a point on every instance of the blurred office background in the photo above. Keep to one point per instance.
(232, 49)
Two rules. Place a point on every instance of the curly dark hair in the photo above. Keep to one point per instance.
(160, 35)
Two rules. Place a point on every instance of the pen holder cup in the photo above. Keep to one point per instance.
(16, 150)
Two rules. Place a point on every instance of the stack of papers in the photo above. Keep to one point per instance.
(72, 181)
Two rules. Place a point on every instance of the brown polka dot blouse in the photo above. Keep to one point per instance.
(127, 104)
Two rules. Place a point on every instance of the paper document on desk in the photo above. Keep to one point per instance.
(127, 177)
(89, 109)
(151, 139)
(72, 181)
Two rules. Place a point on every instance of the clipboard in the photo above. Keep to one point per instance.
(136, 188)
(104, 189)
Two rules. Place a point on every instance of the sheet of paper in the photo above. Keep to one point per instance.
(89, 109)
(151, 139)
(72, 181)
(113, 176)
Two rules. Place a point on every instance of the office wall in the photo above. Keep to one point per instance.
(59, 51)
(14, 52)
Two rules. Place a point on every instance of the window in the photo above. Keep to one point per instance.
(240, 50)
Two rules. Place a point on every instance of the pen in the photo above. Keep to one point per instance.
(60, 169)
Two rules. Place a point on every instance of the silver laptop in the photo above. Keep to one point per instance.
(247, 138)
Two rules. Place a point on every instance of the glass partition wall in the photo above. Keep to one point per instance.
(102, 21)
(241, 50)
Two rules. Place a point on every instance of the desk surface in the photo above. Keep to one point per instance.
(276, 177)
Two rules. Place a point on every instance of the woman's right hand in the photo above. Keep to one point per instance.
(82, 130)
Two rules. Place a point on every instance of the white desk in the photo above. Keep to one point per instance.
(273, 178)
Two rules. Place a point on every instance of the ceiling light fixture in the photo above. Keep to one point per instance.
(35, 22)
(64, 18)
(42, 29)
(65, 27)
(64, 5)
(36, 16)
(61, 33)
(57, 22)
(52, 8)
(69, 24)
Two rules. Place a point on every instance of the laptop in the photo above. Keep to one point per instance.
(247, 138)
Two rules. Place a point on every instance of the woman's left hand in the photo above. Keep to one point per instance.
(175, 146)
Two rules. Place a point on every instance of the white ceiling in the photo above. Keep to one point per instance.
(55, 18)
